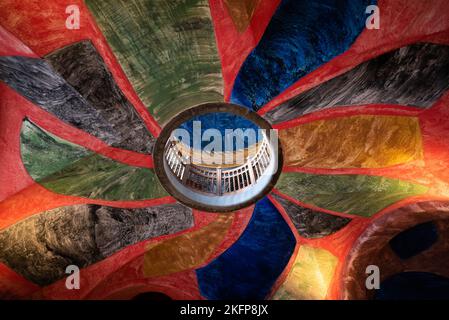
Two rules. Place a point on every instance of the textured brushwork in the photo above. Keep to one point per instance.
(301, 36)
(310, 276)
(186, 251)
(249, 268)
(42, 246)
(84, 69)
(97, 177)
(69, 169)
(354, 194)
(241, 12)
(416, 75)
(166, 48)
(44, 154)
(35, 80)
(353, 142)
(311, 223)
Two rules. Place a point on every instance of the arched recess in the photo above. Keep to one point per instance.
(374, 247)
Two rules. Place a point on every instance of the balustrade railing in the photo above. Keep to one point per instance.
(216, 180)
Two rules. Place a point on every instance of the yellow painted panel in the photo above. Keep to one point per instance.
(310, 276)
(364, 141)
(187, 250)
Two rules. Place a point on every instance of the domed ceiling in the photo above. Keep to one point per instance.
(362, 117)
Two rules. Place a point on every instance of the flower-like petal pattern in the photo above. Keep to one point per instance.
(310, 276)
(69, 169)
(348, 102)
(83, 68)
(302, 35)
(403, 76)
(38, 82)
(42, 246)
(353, 194)
(360, 141)
(167, 50)
(250, 267)
(311, 223)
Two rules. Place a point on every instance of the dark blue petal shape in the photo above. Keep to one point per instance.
(302, 35)
(249, 268)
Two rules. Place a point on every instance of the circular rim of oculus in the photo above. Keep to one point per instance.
(213, 203)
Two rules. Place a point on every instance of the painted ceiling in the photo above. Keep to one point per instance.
(362, 116)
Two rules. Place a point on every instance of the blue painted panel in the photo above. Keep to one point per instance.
(301, 36)
(249, 268)
(220, 121)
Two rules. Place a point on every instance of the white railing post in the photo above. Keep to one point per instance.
(219, 191)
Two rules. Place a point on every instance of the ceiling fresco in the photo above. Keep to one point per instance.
(361, 114)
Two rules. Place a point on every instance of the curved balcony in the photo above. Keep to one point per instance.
(216, 180)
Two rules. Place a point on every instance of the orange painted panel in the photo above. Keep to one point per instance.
(241, 12)
(362, 141)
(186, 251)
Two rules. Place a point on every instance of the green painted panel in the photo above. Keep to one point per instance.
(354, 194)
(65, 168)
(44, 154)
(166, 48)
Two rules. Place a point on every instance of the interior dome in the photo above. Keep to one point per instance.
(337, 184)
